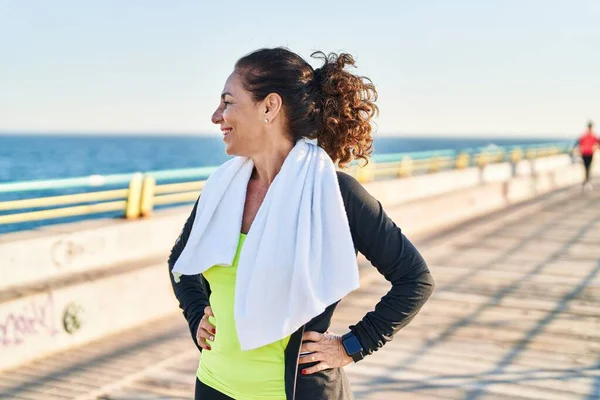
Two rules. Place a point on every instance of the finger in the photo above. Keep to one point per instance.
(200, 339)
(311, 358)
(207, 325)
(310, 347)
(206, 335)
(315, 368)
(208, 311)
(312, 336)
(202, 343)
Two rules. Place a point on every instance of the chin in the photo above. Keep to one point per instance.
(235, 149)
(230, 151)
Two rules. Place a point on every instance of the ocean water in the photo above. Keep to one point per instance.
(35, 157)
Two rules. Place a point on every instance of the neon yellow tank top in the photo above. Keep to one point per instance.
(243, 375)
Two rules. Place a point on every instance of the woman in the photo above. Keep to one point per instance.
(270, 247)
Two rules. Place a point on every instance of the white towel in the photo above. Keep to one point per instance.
(298, 257)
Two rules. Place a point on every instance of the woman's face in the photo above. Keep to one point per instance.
(242, 121)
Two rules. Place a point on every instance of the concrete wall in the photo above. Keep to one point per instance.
(399, 191)
(434, 213)
(38, 324)
(111, 274)
(62, 250)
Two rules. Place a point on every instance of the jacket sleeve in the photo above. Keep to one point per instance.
(191, 290)
(378, 238)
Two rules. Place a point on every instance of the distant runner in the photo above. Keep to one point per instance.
(587, 144)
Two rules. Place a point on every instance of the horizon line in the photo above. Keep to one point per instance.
(496, 135)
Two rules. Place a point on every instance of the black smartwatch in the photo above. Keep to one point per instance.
(352, 346)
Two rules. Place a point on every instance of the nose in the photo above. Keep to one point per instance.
(217, 116)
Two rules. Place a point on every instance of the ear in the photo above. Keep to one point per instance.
(272, 106)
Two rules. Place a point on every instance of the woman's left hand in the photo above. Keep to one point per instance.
(326, 348)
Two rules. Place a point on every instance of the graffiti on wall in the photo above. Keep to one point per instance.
(34, 318)
(67, 250)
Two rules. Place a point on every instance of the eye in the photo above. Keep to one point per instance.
(226, 103)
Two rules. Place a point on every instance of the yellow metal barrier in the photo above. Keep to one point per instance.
(516, 155)
(366, 173)
(147, 196)
(434, 164)
(63, 200)
(462, 161)
(143, 193)
(482, 160)
(387, 169)
(179, 187)
(406, 167)
(134, 197)
(63, 212)
(498, 156)
(176, 198)
(447, 162)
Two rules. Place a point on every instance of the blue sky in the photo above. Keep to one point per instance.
(515, 67)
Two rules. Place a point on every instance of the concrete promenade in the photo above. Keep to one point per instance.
(516, 315)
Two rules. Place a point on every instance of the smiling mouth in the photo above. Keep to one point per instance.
(226, 131)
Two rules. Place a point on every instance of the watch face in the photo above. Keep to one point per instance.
(352, 345)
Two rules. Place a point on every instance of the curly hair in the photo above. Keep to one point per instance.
(328, 103)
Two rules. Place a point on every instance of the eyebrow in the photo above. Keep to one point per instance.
(225, 94)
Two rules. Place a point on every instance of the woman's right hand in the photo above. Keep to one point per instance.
(206, 330)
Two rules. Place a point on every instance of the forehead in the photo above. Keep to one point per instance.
(233, 85)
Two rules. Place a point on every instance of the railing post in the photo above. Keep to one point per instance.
(516, 155)
(462, 161)
(532, 155)
(366, 173)
(500, 156)
(482, 159)
(406, 167)
(147, 197)
(132, 207)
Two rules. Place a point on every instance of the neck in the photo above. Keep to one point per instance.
(268, 163)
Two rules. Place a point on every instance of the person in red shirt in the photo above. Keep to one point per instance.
(588, 143)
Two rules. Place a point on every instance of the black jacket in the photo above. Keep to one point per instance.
(378, 238)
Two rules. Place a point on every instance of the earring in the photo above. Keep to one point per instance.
(266, 120)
